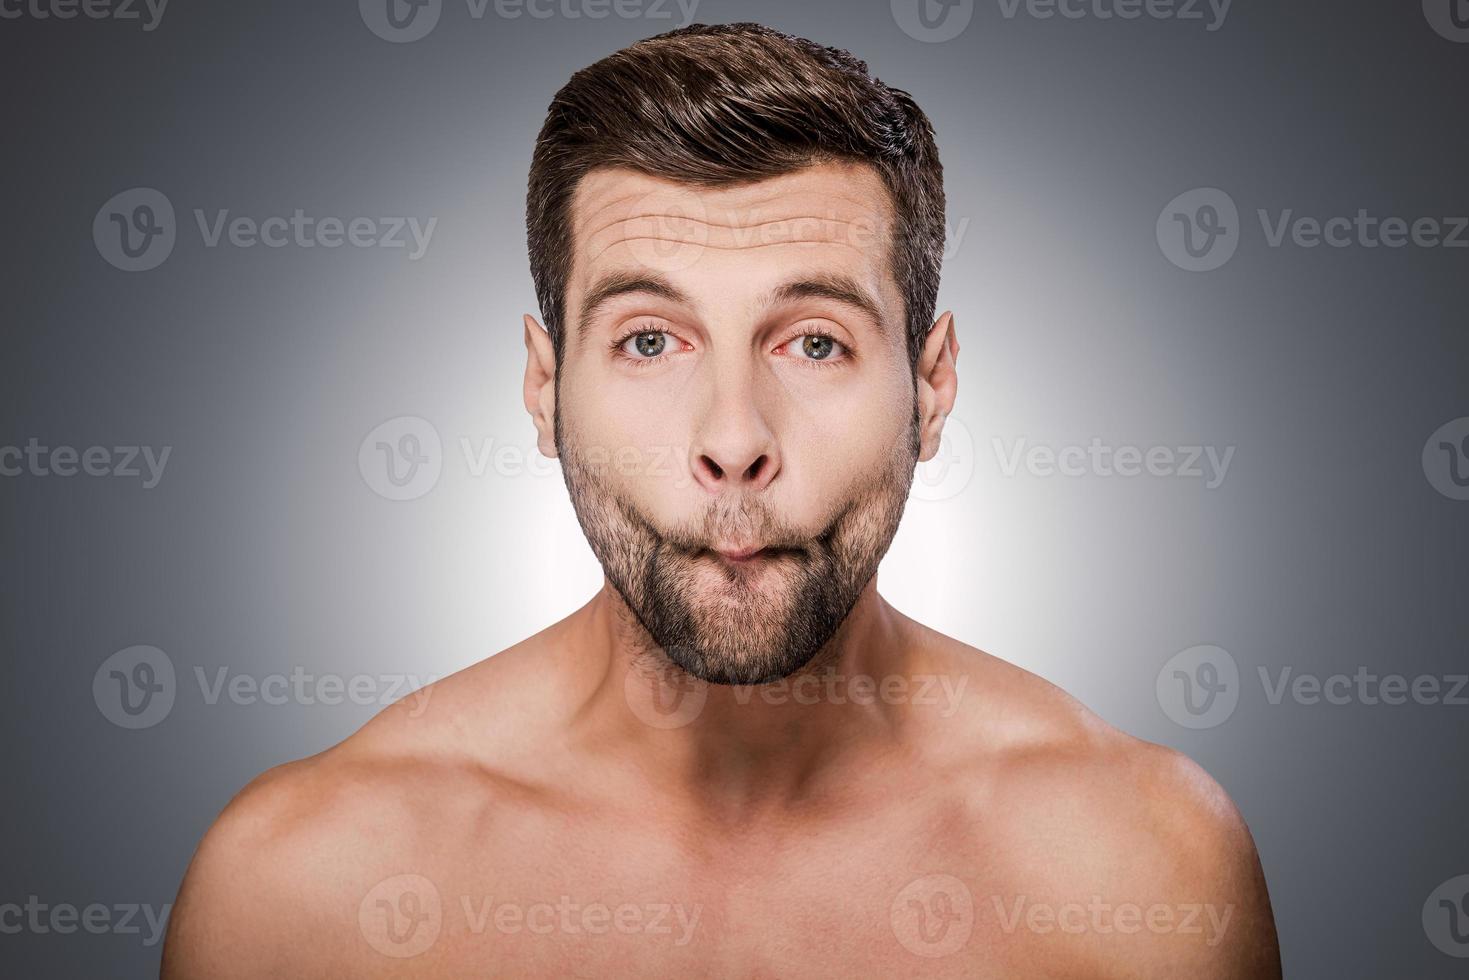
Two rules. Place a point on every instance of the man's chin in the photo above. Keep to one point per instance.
(728, 668)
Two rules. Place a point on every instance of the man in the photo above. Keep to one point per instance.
(737, 759)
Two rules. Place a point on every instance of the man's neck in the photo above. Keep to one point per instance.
(739, 747)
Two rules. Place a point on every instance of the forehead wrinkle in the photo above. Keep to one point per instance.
(732, 248)
(732, 226)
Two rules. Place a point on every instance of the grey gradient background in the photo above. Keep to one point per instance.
(264, 550)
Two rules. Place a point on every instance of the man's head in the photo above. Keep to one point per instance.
(736, 237)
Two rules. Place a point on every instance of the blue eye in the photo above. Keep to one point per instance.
(816, 347)
(646, 344)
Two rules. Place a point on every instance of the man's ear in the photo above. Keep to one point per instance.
(938, 383)
(540, 385)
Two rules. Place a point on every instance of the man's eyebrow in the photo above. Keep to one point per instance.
(618, 284)
(842, 289)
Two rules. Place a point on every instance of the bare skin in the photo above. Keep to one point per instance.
(577, 805)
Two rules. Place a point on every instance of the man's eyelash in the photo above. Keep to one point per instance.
(617, 350)
(821, 362)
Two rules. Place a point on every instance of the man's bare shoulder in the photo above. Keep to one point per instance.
(1118, 820)
(281, 872)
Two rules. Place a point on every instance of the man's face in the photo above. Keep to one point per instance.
(736, 377)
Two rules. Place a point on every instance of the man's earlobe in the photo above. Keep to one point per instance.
(540, 385)
(938, 383)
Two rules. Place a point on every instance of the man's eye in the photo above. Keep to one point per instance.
(647, 344)
(816, 347)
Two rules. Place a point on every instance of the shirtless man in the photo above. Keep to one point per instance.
(736, 759)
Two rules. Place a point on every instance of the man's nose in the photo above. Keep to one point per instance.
(733, 447)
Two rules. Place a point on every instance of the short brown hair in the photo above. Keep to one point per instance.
(725, 104)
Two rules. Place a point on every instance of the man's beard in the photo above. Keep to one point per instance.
(752, 623)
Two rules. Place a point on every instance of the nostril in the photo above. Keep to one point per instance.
(754, 471)
(714, 469)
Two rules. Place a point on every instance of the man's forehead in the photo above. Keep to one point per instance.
(623, 217)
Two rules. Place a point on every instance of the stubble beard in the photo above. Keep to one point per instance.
(735, 625)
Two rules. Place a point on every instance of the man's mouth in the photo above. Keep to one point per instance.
(747, 554)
